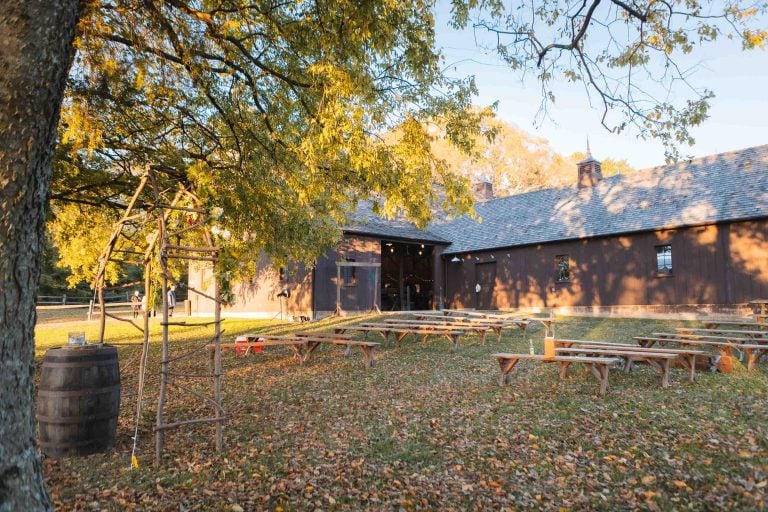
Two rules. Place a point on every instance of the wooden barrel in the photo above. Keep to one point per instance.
(78, 400)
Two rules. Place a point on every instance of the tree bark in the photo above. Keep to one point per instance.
(35, 56)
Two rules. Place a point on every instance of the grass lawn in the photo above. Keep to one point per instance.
(429, 429)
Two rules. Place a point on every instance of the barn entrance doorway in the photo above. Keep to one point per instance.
(407, 276)
(485, 279)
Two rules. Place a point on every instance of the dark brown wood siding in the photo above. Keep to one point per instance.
(354, 297)
(716, 264)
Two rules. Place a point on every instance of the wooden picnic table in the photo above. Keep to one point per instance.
(598, 365)
(548, 323)
(496, 324)
(753, 351)
(479, 329)
(401, 332)
(656, 359)
(302, 344)
(685, 362)
(475, 314)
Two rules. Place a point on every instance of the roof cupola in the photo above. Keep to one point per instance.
(590, 171)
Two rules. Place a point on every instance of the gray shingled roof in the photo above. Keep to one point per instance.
(717, 188)
(365, 222)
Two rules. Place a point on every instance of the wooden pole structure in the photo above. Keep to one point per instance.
(217, 370)
(161, 209)
(103, 319)
(160, 420)
(337, 312)
(401, 285)
(375, 308)
(99, 280)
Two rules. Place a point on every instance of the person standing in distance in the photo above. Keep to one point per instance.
(171, 300)
(135, 303)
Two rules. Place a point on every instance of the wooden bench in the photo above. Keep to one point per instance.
(315, 339)
(459, 312)
(356, 328)
(712, 324)
(400, 332)
(570, 343)
(477, 314)
(664, 338)
(673, 336)
(686, 357)
(658, 360)
(753, 351)
(598, 365)
(720, 335)
(754, 335)
(296, 344)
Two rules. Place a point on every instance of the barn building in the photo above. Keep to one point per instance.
(691, 233)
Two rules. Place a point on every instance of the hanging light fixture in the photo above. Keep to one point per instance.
(455, 259)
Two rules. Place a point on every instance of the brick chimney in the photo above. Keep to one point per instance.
(483, 191)
(590, 172)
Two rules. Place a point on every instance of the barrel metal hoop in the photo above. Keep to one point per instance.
(78, 364)
(72, 444)
(78, 392)
(56, 420)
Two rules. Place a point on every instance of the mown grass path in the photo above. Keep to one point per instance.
(430, 429)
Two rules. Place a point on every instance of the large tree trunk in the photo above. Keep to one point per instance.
(35, 56)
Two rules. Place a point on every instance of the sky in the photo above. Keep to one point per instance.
(738, 116)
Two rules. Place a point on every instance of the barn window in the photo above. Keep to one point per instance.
(664, 259)
(349, 274)
(563, 263)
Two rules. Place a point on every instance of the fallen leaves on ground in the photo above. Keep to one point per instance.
(429, 429)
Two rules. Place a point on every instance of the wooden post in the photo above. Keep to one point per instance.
(160, 416)
(338, 291)
(407, 298)
(217, 369)
(400, 283)
(166, 342)
(375, 308)
(103, 319)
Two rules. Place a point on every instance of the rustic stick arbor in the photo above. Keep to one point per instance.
(166, 214)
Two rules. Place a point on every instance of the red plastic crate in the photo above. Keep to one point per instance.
(248, 338)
